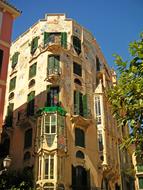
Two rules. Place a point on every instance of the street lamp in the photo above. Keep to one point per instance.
(6, 164)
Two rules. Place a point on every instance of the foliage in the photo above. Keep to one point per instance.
(126, 97)
(17, 180)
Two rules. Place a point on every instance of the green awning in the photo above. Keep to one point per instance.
(52, 109)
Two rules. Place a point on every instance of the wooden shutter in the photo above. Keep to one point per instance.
(31, 102)
(48, 102)
(51, 63)
(34, 45)
(56, 64)
(9, 117)
(64, 39)
(141, 182)
(76, 102)
(32, 70)
(12, 84)
(84, 103)
(14, 59)
(46, 37)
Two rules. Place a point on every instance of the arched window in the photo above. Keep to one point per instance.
(11, 96)
(31, 83)
(77, 81)
(79, 137)
(27, 156)
(79, 154)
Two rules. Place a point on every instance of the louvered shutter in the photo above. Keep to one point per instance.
(84, 103)
(76, 102)
(46, 37)
(31, 102)
(77, 44)
(56, 64)
(12, 84)
(64, 39)
(14, 59)
(51, 63)
(34, 45)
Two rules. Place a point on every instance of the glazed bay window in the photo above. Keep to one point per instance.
(12, 84)
(49, 166)
(52, 96)
(80, 104)
(98, 109)
(50, 128)
(55, 38)
(32, 70)
(53, 65)
(77, 69)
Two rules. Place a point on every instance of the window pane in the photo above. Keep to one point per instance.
(77, 69)
(52, 168)
(32, 70)
(46, 168)
(79, 137)
(28, 138)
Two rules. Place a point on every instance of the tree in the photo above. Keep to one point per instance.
(126, 97)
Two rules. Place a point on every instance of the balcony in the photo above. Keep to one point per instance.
(53, 75)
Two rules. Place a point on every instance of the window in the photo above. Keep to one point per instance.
(77, 81)
(49, 167)
(30, 104)
(140, 182)
(32, 70)
(34, 45)
(28, 138)
(52, 96)
(27, 156)
(9, 117)
(53, 64)
(77, 69)
(100, 142)
(14, 59)
(80, 104)
(58, 38)
(97, 64)
(98, 109)
(50, 128)
(11, 96)
(12, 84)
(79, 154)
(79, 137)
(31, 83)
(77, 44)
(1, 59)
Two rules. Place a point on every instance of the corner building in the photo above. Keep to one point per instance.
(55, 108)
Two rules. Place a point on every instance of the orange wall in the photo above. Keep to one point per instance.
(5, 37)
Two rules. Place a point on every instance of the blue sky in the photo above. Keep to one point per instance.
(114, 23)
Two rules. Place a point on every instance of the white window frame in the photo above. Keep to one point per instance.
(49, 157)
(98, 109)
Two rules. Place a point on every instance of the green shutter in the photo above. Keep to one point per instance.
(34, 45)
(77, 44)
(12, 84)
(56, 65)
(31, 96)
(84, 103)
(14, 59)
(64, 39)
(141, 182)
(51, 63)
(76, 102)
(46, 37)
(32, 70)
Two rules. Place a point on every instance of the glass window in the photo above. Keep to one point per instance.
(31, 103)
(12, 84)
(98, 109)
(49, 167)
(79, 137)
(28, 138)
(77, 69)
(53, 64)
(77, 44)
(52, 96)
(32, 70)
(1, 59)
(80, 154)
(50, 124)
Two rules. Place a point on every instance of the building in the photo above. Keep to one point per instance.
(7, 14)
(57, 115)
